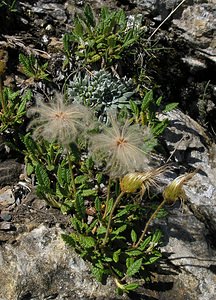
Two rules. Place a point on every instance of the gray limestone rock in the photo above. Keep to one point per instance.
(39, 266)
(9, 172)
(198, 25)
(189, 146)
(190, 236)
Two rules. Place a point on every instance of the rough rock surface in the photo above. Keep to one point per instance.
(39, 266)
(186, 73)
(9, 172)
(190, 146)
(190, 236)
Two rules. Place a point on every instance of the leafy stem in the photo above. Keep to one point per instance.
(110, 217)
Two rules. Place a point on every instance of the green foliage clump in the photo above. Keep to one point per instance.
(10, 5)
(147, 112)
(12, 109)
(31, 67)
(104, 40)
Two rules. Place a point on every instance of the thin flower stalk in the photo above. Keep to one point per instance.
(171, 194)
(153, 216)
(107, 197)
(110, 217)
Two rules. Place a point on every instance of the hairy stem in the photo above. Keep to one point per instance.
(110, 217)
(107, 198)
(153, 216)
(71, 172)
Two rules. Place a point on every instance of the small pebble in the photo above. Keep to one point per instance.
(5, 216)
(5, 225)
(6, 197)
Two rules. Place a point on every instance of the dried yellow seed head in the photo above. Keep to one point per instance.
(174, 190)
(132, 182)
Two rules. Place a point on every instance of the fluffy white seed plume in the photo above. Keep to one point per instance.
(123, 148)
(59, 122)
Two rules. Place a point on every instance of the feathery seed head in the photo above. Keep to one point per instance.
(123, 148)
(174, 190)
(132, 182)
(57, 121)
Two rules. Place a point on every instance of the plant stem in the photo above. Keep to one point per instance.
(153, 216)
(2, 96)
(71, 172)
(110, 217)
(172, 12)
(107, 198)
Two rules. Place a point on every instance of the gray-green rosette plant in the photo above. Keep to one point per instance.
(101, 91)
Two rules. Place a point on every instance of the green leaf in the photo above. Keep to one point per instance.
(129, 261)
(88, 12)
(158, 101)
(116, 255)
(123, 212)
(145, 243)
(69, 240)
(42, 177)
(170, 107)
(29, 169)
(134, 252)
(131, 286)
(88, 193)
(22, 108)
(152, 259)
(80, 179)
(87, 241)
(76, 224)
(135, 267)
(120, 229)
(134, 107)
(98, 273)
(80, 206)
(109, 205)
(101, 230)
(147, 100)
(98, 204)
(133, 236)
(62, 175)
(156, 236)
(159, 127)
(31, 147)
(27, 64)
(99, 178)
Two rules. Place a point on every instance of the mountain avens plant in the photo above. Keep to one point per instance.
(100, 176)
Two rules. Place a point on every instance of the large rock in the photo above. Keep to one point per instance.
(190, 147)
(198, 25)
(39, 266)
(10, 171)
(190, 238)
